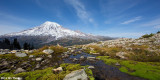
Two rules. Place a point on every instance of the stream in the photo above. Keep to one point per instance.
(101, 70)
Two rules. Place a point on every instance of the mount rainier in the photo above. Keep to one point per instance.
(53, 33)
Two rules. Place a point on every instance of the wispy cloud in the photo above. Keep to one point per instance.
(153, 23)
(80, 10)
(132, 20)
(116, 7)
(12, 17)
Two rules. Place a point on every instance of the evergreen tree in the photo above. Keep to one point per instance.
(16, 44)
(25, 46)
(6, 41)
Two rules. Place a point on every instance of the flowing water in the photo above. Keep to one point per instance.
(101, 70)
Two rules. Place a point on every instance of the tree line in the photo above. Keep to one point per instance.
(7, 44)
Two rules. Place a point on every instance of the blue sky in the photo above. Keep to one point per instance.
(115, 18)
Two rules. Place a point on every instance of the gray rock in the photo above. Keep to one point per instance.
(4, 63)
(37, 66)
(75, 59)
(19, 70)
(76, 75)
(3, 52)
(39, 59)
(117, 64)
(57, 70)
(21, 54)
(31, 56)
(50, 56)
(90, 67)
(91, 58)
(31, 51)
(82, 57)
(48, 51)
(6, 70)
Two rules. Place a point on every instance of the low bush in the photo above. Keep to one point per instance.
(147, 35)
(144, 55)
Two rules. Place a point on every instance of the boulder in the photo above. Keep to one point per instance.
(57, 70)
(21, 54)
(19, 70)
(48, 51)
(76, 75)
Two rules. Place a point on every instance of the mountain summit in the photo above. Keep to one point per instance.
(51, 33)
(48, 29)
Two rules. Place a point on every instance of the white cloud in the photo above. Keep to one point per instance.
(80, 10)
(132, 20)
(152, 23)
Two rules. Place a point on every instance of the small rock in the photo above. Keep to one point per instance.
(75, 59)
(31, 56)
(37, 66)
(19, 70)
(4, 63)
(91, 67)
(91, 58)
(57, 70)
(21, 54)
(6, 70)
(50, 56)
(48, 51)
(39, 59)
(82, 57)
(117, 64)
(96, 53)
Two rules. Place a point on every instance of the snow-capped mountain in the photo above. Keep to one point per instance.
(48, 29)
(51, 33)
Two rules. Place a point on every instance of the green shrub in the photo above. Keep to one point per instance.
(147, 35)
